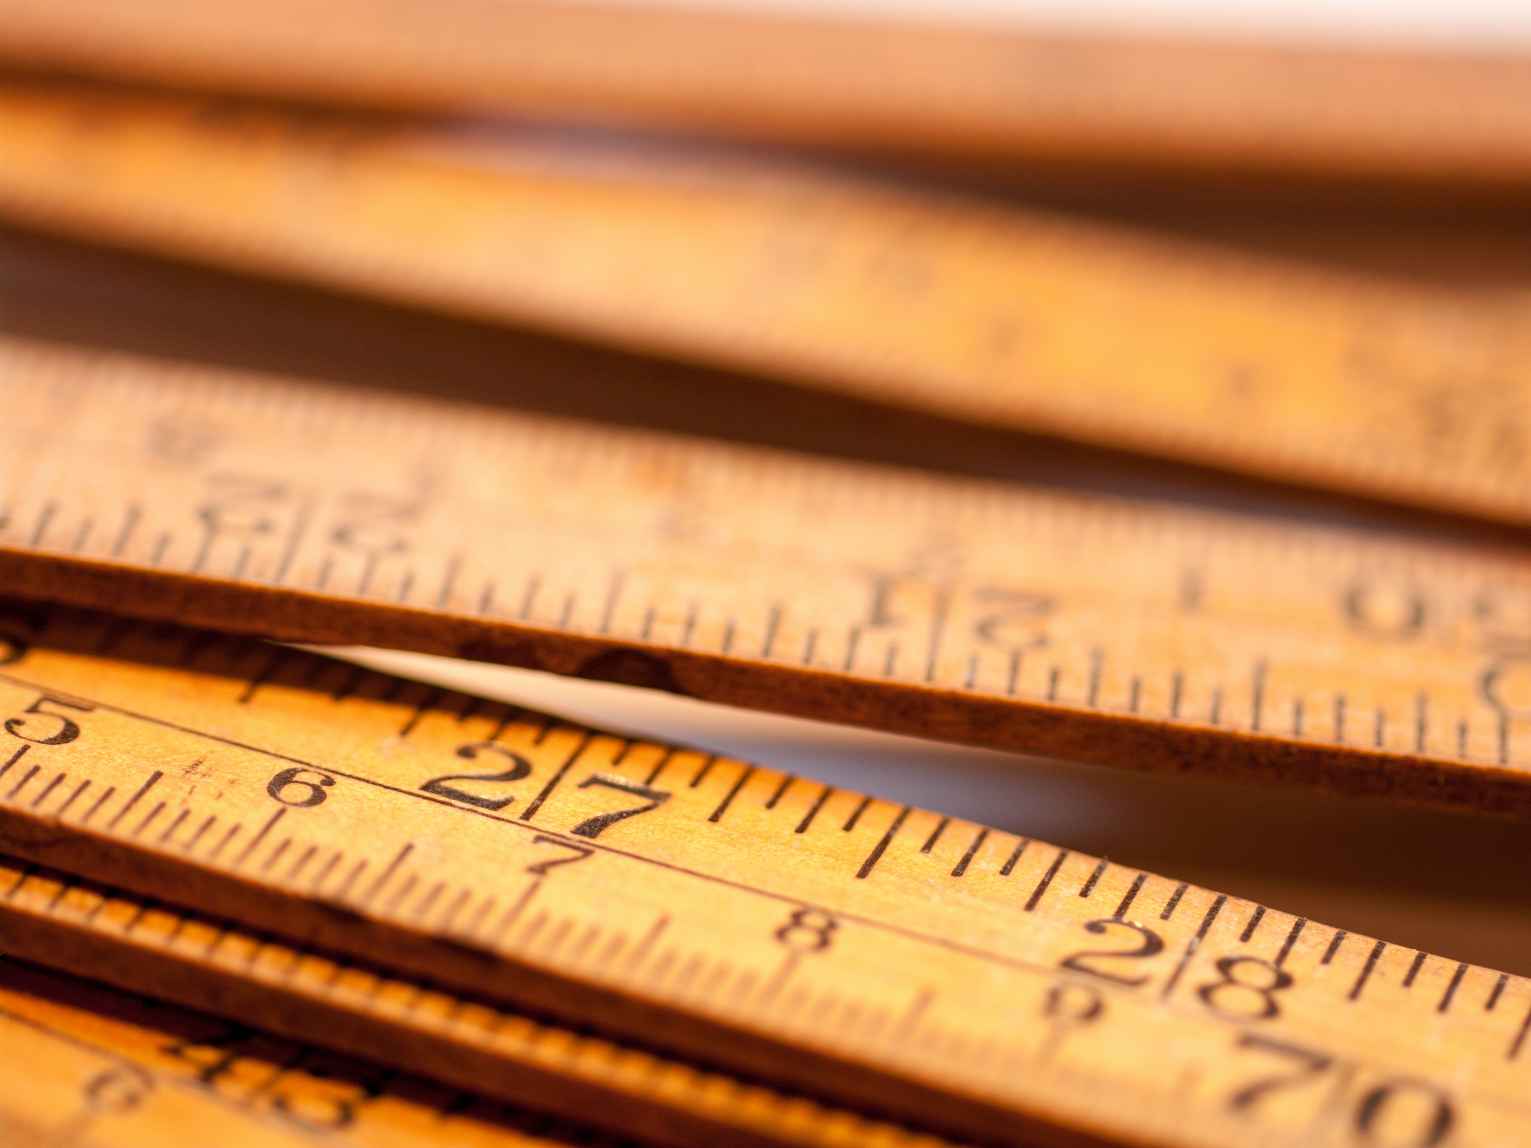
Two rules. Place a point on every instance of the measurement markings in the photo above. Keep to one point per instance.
(1128, 897)
(1366, 970)
(972, 851)
(813, 810)
(1291, 939)
(1192, 945)
(1047, 879)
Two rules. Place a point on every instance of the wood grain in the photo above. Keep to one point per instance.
(883, 956)
(965, 611)
(999, 315)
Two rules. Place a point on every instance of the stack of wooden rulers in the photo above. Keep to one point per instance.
(1157, 405)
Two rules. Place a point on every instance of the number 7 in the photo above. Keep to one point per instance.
(593, 826)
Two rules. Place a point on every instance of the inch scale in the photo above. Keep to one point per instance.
(989, 313)
(685, 902)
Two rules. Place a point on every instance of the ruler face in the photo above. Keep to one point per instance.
(878, 955)
(104, 1068)
(994, 315)
(989, 92)
(1094, 630)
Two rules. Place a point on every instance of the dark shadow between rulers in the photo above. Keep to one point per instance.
(72, 293)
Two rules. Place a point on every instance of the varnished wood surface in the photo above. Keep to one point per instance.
(966, 611)
(1393, 386)
(878, 953)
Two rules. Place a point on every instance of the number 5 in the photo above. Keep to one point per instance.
(68, 728)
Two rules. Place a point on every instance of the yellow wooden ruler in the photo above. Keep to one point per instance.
(1022, 93)
(876, 955)
(93, 1068)
(1001, 315)
(1095, 630)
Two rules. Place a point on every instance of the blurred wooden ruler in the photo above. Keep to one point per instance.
(929, 87)
(1005, 316)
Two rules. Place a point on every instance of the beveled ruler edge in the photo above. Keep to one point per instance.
(1025, 725)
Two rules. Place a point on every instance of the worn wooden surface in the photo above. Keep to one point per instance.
(882, 955)
(1006, 316)
(1093, 629)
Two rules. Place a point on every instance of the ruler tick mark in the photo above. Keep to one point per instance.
(706, 767)
(861, 807)
(20, 785)
(1496, 992)
(1366, 970)
(733, 791)
(1128, 897)
(1451, 988)
(935, 835)
(547, 790)
(1015, 855)
(73, 797)
(223, 843)
(1047, 879)
(387, 874)
(1257, 695)
(1192, 945)
(44, 518)
(130, 520)
(972, 851)
(1414, 967)
(773, 623)
(1093, 879)
(1334, 946)
(780, 791)
(1254, 923)
(1174, 902)
(882, 845)
(254, 842)
(1519, 1040)
(21, 752)
(813, 810)
(448, 580)
(1291, 939)
(138, 796)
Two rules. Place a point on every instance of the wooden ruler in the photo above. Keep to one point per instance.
(918, 86)
(1094, 630)
(990, 314)
(108, 1068)
(878, 955)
